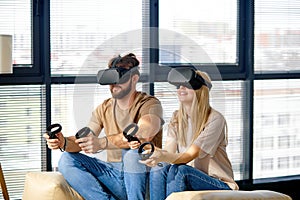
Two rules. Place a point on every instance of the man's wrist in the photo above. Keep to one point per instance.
(103, 143)
(62, 149)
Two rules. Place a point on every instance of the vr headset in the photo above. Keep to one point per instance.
(115, 75)
(187, 77)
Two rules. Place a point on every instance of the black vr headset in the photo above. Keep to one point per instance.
(115, 75)
(187, 77)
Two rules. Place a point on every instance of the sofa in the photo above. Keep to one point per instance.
(53, 186)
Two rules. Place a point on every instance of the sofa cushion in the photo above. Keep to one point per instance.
(228, 195)
(48, 186)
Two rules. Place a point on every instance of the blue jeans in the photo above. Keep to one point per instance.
(158, 182)
(135, 175)
(177, 178)
(93, 178)
(96, 179)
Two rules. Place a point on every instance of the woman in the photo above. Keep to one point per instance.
(196, 142)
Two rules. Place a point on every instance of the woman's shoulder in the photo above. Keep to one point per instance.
(216, 115)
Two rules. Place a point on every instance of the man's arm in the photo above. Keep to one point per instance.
(149, 125)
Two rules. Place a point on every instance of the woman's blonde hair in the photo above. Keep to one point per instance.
(199, 113)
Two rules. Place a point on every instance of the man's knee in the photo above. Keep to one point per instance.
(66, 159)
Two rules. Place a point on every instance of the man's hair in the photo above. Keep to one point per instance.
(128, 61)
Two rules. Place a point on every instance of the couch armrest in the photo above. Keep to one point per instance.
(48, 186)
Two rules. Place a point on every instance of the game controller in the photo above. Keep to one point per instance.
(53, 129)
(83, 132)
(130, 131)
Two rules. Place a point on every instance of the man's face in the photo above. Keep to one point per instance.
(119, 91)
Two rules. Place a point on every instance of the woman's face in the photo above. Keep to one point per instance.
(185, 95)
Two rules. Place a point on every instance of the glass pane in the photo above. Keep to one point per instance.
(226, 97)
(21, 125)
(84, 40)
(277, 36)
(276, 128)
(15, 20)
(208, 26)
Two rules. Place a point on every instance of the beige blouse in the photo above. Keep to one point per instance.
(212, 141)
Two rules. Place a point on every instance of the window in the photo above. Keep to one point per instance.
(277, 36)
(277, 98)
(15, 20)
(198, 32)
(265, 143)
(283, 163)
(284, 119)
(284, 142)
(296, 162)
(267, 164)
(83, 40)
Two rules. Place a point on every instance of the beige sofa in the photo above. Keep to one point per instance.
(48, 186)
(53, 186)
(229, 195)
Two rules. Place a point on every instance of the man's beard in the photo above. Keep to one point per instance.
(122, 93)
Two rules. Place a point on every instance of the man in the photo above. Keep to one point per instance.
(122, 176)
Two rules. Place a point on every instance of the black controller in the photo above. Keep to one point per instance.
(145, 156)
(130, 131)
(83, 132)
(53, 129)
(133, 128)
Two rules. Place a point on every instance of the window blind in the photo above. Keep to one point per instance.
(276, 128)
(85, 35)
(22, 119)
(277, 36)
(210, 26)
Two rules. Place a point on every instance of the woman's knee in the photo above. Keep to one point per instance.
(176, 171)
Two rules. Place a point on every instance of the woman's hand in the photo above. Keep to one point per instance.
(154, 159)
(159, 156)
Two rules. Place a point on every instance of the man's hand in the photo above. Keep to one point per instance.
(55, 143)
(91, 143)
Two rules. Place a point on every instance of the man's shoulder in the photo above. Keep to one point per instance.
(105, 104)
